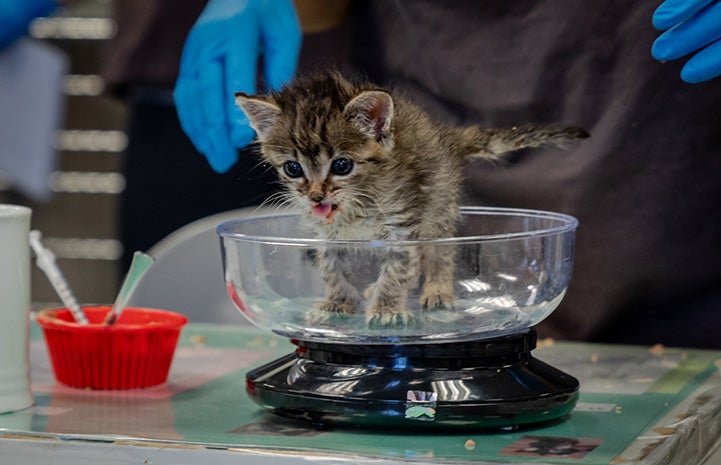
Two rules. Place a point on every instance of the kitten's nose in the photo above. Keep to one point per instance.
(316, 196)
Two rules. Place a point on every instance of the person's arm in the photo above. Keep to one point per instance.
(691, 26)
(220, 57)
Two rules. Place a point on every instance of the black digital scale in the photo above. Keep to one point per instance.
(490, 383)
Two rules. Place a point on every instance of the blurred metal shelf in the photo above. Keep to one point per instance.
(80, 222)
(73, 28)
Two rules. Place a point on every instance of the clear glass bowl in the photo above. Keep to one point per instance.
(512, 268)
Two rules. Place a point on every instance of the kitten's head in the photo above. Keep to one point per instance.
(326, 138)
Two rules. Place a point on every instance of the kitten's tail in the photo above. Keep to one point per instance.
(490, 143)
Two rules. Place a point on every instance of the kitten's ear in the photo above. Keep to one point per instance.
(371, 112)
(262, 114)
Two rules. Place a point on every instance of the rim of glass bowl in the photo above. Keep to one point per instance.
(567, 223)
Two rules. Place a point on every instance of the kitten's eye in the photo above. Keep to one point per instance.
(341, 166)
(293, 169)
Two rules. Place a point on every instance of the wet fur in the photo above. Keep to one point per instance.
(405, 182)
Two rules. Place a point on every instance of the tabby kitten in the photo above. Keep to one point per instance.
(368, 164)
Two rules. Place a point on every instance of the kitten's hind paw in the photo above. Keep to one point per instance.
(433, 299)
(330, 311)
(385, 318)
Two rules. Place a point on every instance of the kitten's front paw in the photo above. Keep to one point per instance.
(328, 311)
(389, 317)
(434, 297)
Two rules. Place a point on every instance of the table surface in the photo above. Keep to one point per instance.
(637, 405)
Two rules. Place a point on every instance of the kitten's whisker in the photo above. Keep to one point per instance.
(264, 165)
(270, 200)
(277, 201)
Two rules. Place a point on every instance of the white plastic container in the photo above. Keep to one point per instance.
(14, 308)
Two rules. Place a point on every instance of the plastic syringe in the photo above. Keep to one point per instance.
(46, 262)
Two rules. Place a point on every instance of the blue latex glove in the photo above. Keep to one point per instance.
(16, 15)
(220, 57)
(693, 26)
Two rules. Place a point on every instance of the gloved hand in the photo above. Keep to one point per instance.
(693, 25)
(220, 57)
(16, 15)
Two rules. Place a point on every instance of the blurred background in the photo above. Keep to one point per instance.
(79, 220)
(643, 186)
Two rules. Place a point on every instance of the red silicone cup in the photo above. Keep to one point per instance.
(135, 352)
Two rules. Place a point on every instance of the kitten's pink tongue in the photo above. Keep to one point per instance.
(322, 209)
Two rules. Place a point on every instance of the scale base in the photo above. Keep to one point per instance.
(493, 383)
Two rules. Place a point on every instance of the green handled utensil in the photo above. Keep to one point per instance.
(140, 264)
